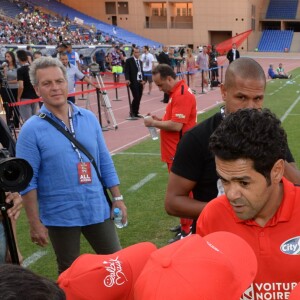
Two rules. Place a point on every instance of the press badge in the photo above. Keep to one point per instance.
(84, 172)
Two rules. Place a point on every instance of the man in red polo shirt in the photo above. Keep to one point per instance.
(259, 204)
(180, 115)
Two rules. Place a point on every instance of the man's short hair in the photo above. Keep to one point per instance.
(22, 55)
(164, 70)
(147, 48)
(20, 283)
(251, 134)
(245, 68)
(38, 52)
(43, 63)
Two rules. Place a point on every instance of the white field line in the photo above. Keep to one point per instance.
(289, 109)
(33, 258)
(129, 144)
(142, 182)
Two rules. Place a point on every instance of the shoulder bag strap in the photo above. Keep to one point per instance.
(80, 147)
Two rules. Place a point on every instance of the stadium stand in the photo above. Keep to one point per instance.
(9, 8)
(275, 40)
(107, 29)
(282, 9)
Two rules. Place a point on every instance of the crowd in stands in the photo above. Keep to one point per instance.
(33, 26)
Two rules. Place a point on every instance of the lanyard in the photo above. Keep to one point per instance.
(72, 131)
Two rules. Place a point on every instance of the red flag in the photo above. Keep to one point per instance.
(225, 46)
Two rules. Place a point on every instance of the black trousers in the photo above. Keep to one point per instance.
(65, 241)
(137, 93)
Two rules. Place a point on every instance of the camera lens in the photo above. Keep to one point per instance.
(15, 174)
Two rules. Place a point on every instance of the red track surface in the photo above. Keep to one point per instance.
(130, 132)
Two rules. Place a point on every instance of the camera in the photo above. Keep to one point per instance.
(94, 68)
(15, 173)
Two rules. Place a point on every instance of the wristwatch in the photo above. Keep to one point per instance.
(119, 198)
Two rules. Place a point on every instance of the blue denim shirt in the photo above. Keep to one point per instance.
(62, 200)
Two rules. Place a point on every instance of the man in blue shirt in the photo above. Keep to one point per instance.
(65, 197)
(72, 55)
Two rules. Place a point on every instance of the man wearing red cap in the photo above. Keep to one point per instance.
(259, 204)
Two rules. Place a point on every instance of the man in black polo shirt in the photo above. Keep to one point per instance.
(25, 89)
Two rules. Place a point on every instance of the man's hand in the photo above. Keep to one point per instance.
(121, 205)
(148, 121)
(16, 200)
(39, 234)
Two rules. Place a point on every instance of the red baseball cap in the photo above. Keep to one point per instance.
(220, 265)
(94, 277)
(295, 293)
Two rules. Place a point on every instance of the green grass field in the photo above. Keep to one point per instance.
(148, 220)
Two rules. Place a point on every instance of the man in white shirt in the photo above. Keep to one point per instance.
(147, 59)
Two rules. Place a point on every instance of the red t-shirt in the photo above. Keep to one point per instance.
(181, 109)
(277, 244)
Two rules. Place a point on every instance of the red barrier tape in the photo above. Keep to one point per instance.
(26, 102)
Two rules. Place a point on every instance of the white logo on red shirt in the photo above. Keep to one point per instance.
(291, 246)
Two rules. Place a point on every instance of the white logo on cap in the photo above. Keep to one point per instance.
(116, 275)
(291, 246)
(212, 246)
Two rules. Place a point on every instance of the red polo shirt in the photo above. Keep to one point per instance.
(181, 109)
(277, 244)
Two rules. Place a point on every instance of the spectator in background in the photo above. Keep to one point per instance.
(202, 63)
(273, 75)
(116, 63)
(82, 62)
(213, 65)
(134, 77)
(37, 54)
(121, 49)
(108, 61)
(9, 90)
(74, 74)
(173, 61)
(133, 46)
(73, 56)
(259, 205)
(163, 58)
(99, 58)
(61, 48)
(280, 70)
(233, 53)
(147, 59)
(29, 53)
(25, 89)
(191, 68)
